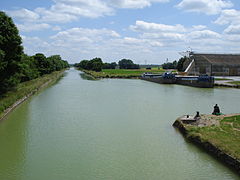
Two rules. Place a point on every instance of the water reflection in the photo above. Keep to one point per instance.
(87, 77)
(13, 140)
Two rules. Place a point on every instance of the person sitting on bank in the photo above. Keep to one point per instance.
(216, 110)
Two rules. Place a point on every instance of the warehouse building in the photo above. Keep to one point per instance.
(213, 64)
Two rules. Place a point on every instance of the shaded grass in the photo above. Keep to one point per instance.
(25, 88)
(226, 136)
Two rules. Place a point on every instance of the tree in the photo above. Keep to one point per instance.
(127, 64)
(95, 64)
(28, 68)
(109, 65)
(10, 53)
(180, 63)
(43, 65)
(170, 65)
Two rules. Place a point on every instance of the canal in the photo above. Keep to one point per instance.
(109, 129)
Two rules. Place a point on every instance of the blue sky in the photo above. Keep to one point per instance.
(142, 30)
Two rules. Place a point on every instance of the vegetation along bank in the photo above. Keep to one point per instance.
(218, 135)
(125, 68)
(24, 90)
(22, 75)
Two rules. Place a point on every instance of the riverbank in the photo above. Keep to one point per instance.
(231, 84)
(228, 81)
(122, 73)
(218, 135)
(25, 90)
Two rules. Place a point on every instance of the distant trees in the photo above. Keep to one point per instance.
(176, 64)
(109, 65)
(180, 63)
(170, 65)
(32, 67)
(95, 64)
(127, 64)
(15, 66)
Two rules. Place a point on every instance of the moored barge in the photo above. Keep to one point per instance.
(203, 81)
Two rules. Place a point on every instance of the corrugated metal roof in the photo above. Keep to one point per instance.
(219, 59)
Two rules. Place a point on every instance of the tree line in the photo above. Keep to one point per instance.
(97, 64)
(176, 64)
(15, 66)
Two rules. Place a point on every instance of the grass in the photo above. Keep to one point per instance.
(222, 79)
(122, 73)
(235, 82)
(26, 88)
(226, 136)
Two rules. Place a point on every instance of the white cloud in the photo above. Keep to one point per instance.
(134, 3)
(24, 14)
(33, 45)
(199, 27)
(136, 41)
(54, 16)
(85, 34)
(232, 29)
(64, 11)
(146, 26)
(204, 34)
(89, 8)
(164, 36)
(229, 16)
(27, 27)
(208, 7)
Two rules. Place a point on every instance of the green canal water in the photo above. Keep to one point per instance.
(109, 129)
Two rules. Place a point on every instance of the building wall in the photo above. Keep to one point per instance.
(202, 66)
(224, 70)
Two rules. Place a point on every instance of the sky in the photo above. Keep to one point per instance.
(145, 31)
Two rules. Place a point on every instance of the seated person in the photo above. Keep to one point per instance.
(216, 110)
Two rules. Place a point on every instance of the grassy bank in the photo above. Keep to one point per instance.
(235, 83)
(226, 136)
(122, 73)
(26, 88)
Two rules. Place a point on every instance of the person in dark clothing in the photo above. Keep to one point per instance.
(216, 110)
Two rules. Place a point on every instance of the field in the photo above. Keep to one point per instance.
(122, 73)
(226, 136)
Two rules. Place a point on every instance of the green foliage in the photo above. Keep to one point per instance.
(48, 65)
(17, 67)
(170, 65)
(109, 65)
(127, 64)
(29, 69)
(95, 64)
(25, 88)
(180, 63)
(42, 63)
(176, 64)
(10, 53)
